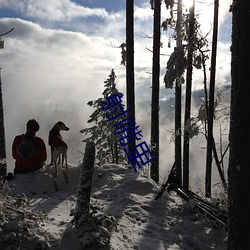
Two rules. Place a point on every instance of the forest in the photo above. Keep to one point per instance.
(214, 118)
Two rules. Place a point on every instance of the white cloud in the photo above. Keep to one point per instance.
(52, 10)
(205, 12)
(143, 13)
(46, 69)
(50, 73)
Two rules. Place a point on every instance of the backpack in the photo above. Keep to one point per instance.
(26, 148)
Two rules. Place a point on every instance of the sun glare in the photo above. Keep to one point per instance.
(187, 3)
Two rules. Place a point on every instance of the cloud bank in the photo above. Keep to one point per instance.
(59, 55)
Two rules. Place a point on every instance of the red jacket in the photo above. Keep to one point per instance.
(37, 159)
(55, 139)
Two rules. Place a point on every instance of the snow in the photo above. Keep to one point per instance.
(141, 221)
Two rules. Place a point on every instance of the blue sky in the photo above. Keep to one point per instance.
(61, 52)
(67, 14)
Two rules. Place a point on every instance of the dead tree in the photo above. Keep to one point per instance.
(84, 186)
(93, 231)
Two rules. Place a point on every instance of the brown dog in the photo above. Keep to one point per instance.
(58, 146)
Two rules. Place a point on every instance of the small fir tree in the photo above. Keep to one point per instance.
(108, 148)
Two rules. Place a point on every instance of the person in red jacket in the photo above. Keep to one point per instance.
(29, 150)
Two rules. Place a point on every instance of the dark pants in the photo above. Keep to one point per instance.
(25, 171)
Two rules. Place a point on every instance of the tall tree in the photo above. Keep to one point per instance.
(3, 162)
(239, 159)
(130, 81)
(188, 96)
(103, 133)
(176, 66)
(154, 170)
(210, 139)
(178, 155)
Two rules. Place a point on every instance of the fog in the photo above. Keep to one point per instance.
(51, 66)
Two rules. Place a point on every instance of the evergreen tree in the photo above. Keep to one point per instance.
(187, 110)
(188, 53)
(108, 148)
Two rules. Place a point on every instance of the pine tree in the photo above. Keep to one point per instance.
(108, 149)
(189, 53)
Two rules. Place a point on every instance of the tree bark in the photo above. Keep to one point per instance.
(154, 169)
(81, 215)
(130, 81)
(188, 97)
(178, 158)
(93, 229)
(211, 102)
(239, 159)
(3, 162)
(217, 162)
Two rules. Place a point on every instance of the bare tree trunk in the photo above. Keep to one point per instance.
(211, 102)
(93, 231)
(3, 162)
(178, 158)
(154, 169)
(239, 159)
(188, 98)
(130, 81)
(81, 215)
(216, 158)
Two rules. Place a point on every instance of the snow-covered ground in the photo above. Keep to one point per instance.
(141, 221)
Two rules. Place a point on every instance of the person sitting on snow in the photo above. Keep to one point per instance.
(29, 150)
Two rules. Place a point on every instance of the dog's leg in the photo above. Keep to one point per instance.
(51, 155)
(59, 159)
(55, 158)
(63, 157)
(66, 161)
(56, 170)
